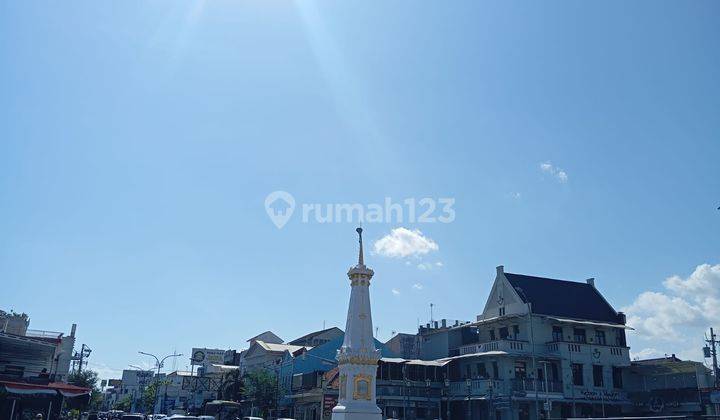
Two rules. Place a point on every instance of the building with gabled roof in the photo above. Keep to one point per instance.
(268, 337)
(317, 338)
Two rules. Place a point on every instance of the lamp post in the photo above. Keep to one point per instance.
(468, 384)
(159, 365)
(427, 393)
(142, 383)
(547, 398)
(447, 399)
(532, 349)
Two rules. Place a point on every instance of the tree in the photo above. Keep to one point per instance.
(261, 387)
(88, 378)
(149, 396)
(124, 404)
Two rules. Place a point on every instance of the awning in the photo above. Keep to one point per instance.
(29, 391)
(73, 394)
(484, 353)
(417, 362)
(436, 363)
(593, 323)
(393, 360)
(52, 388)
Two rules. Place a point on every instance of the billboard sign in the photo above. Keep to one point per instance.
(201, 356)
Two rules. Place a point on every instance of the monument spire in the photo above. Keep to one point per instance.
(361, 260)
(357, 357)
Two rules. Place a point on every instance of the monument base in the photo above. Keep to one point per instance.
(340, 412)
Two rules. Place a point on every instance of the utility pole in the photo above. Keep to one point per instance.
(84, 352)
(713, 352)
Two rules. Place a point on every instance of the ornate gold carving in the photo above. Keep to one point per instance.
(358, 360)
(361, 387)
(359, 281)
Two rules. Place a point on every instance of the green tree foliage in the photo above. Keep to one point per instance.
(124, 404)
(149, 396)
(88, 378)
(262, 388)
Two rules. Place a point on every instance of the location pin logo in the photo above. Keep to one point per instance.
(279, 205)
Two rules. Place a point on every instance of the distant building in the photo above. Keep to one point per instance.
(27, 353)
(669, 386)
(34, 368)
(317, 338)
(405, 345)
(133, 385)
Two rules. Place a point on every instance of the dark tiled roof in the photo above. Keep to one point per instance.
(563, 298)
(314, 334)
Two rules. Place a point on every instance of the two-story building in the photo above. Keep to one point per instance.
(541, 348)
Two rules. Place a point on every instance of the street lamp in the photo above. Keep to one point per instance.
(532, 349)
(427, 392)
(468, 384)
(159, 365)
(547, 397)
(141, 382)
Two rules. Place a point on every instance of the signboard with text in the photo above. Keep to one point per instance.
(201, 356)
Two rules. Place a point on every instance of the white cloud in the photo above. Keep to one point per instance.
(402, 242)
(646, 353)
(424, 266)
(514, 195)
(104, 371)
(395, 292)
(417, 286)
(687, 306)
(556, 172)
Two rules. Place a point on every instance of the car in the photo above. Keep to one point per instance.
(252, 418)
(132, 417)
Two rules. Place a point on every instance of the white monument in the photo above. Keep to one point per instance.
(358, 357)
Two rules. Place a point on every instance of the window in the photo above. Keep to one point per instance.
(468, 371)
(557, 334)
(617, 377)
(577, 374)
(579, 335)
(501, 311)
(504, 333)
(12, 370)
(619, 337)
(492, 335)
(520, 369)
(600, 337)
(482, 371)
(597, 375)
(495, 369)
(516, 332)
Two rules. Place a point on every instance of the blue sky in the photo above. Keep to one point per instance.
(138, 141)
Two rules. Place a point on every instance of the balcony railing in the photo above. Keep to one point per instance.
(524, 384)
(509, 346)
(616, 353)
(478, 387)
(43, 334)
